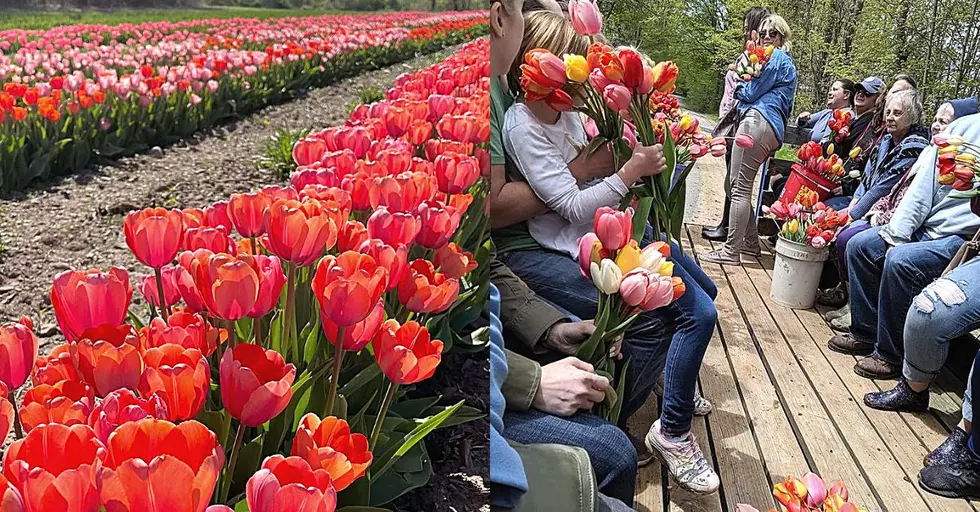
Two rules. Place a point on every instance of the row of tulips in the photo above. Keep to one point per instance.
(74, 94)
(302, 335)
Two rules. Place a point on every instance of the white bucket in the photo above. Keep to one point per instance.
(796, 274)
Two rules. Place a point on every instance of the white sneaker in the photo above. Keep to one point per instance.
(685, 461)
(702, 407)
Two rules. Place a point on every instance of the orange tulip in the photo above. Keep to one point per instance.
(288, 484)
(271, 280)
(423, 290)
(194, 218)
(108, 358)
(247, 213)
(455, 172)
(213, 239)
(256, 384)
(397, 160)
(790, 493)
(189, 330)
(54, 468)
(419, 131)
(462, 202)
(123, 406)
(352, 234)
(391, 258)
(180, 376)
(330, 445)
(334, 201)
(299, 232)
(405, 353)
(147, 287)
(67, 402)
(402, 192)
(454, 262)
(154, 235)
(7, 420)
(10, 498)
(18, 351)
(229, 285)
(358, 335)
(348, 286)
(393, 228)
(55, 367)
(438, 223)
(82, 300)
(665, 76)
(152, 465)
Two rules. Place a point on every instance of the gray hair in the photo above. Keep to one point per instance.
(912, 101)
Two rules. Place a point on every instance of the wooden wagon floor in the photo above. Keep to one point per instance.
(785, 404)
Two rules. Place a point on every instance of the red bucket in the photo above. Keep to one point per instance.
(802, 180)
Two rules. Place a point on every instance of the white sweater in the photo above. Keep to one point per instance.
(542, 153)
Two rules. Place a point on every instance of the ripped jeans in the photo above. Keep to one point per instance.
(945, 310)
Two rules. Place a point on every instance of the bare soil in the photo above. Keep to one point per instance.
(76, 223)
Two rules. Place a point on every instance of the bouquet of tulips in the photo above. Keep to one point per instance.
(840, 125)
(755, 58)
(628, 281)
(272, 369)
(828, 165)
(957, 162)
(807, 221)
(811, 494)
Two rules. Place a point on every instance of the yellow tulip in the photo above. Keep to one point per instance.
(949, 149)
(576, 68)
(955, 141)
(966, 158)
(855, 152)
(667, 269)
(628, 257)
(753, 58)
(794, 226)
(769, 50)
(685, 122)
(830, 149)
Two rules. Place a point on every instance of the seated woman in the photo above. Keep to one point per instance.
(542, 143)
(839, 97)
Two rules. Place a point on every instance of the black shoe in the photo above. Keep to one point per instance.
(960, 480)
(719, 233)
(901, 398)
(643, 454)
(954, 450)
(834, 297)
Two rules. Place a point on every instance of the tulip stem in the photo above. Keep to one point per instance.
(252, 245)
(232, 333)
(233, 461)
(389, 397)
(288, 320)
(257, 330)
(164, 311)
(338, 360)
(18, 430)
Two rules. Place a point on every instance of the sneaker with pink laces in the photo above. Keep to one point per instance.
(684, 460)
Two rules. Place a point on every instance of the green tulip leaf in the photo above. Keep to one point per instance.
(415, 407)
(391, 455)
(405, 476)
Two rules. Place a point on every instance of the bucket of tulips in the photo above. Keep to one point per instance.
(628, 281)
(814, 173)
(808, 227)
(809, 494)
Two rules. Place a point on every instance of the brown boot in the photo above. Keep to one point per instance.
(874, 367)
(847, 344)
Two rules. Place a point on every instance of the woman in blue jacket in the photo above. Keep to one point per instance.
(765, 103)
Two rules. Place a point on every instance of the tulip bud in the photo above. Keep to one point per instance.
(606, 276)
(585, 16)
(576, 68)
(613, 227)
(816, 490)
(854, 152)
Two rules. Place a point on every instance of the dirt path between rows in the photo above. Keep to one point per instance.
(76, 223)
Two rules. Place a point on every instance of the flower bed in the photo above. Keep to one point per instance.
(76, 92)
(279, 381)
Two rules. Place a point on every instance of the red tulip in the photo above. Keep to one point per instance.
(314, 174)
(180, 376)
(440, 105)
(348, 286)
(613, 227)
(454, 262)
(397, 121)
(256, 384)
(147, 287)
(357, 139)
(66, 402)
(358, 186)
(342, 162)
(419, 131)
(289, 484)
(458, 128)
(308, 150)
(665, 76)
(123, 406)
(10, 498)
(108, 358)
(187, 264)
(392, 227)
(193, 218)
(405, 353)
(632, 68)
(153, 465)
(396, 160)
(82, 300)
(391, 258)
(247, 213)
(299, 232)
(189, 330)
(352, 234)
(18, 351)
(217, 216)
(455, 172)
(330, 445)
(7, 420)
(228, 285)
(358, 335)
(55, 367)
(212, 239)
(154, 235)
(54, 468)
(275, 193)
(438, 224)
(403, 192)
(423, 290)
(271, 280)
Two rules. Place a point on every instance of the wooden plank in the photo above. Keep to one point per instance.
(748, 421)
(879, 441)
(650, 490)
(683, 501)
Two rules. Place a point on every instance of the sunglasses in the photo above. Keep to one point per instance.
(770, 33)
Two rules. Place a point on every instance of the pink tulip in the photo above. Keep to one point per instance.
(795, 209)
(633, 288)
(613, 227)
(718, 149)
(617, 97)
(818, 242)
(586, 18)
(697, 150)
(648, 83)
(585, 245)
(598, 80)
(591, 129)
(838, 489)
(744, 140)
(629, 134)
(816, 490)
(553, 67)
(779, 210)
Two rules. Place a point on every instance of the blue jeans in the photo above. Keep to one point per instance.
(843, 238)
(610, 450)
(945, 310)
(883, 286)
(838, 202)
(680, 331)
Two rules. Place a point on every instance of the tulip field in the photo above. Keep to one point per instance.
(74, 94)
(274, 359)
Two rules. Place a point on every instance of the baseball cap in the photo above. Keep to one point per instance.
(872, 85)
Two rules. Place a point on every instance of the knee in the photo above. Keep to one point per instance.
(705, 319)
(940, 300)
(617, 451)
(900, 260)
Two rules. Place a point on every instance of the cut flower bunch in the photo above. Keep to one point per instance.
(807, 222)
(271, 374)
(809, 494)
(958, 163)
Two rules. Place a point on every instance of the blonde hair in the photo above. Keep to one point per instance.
(777, 22)
(545, 29)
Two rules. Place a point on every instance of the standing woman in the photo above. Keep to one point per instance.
(765, 103)
(751, 23)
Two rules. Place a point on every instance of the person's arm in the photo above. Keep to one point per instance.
(882, 186)
(511, 201)
(522, 312)
(521, 385)
(915, 206)
(772, 74)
